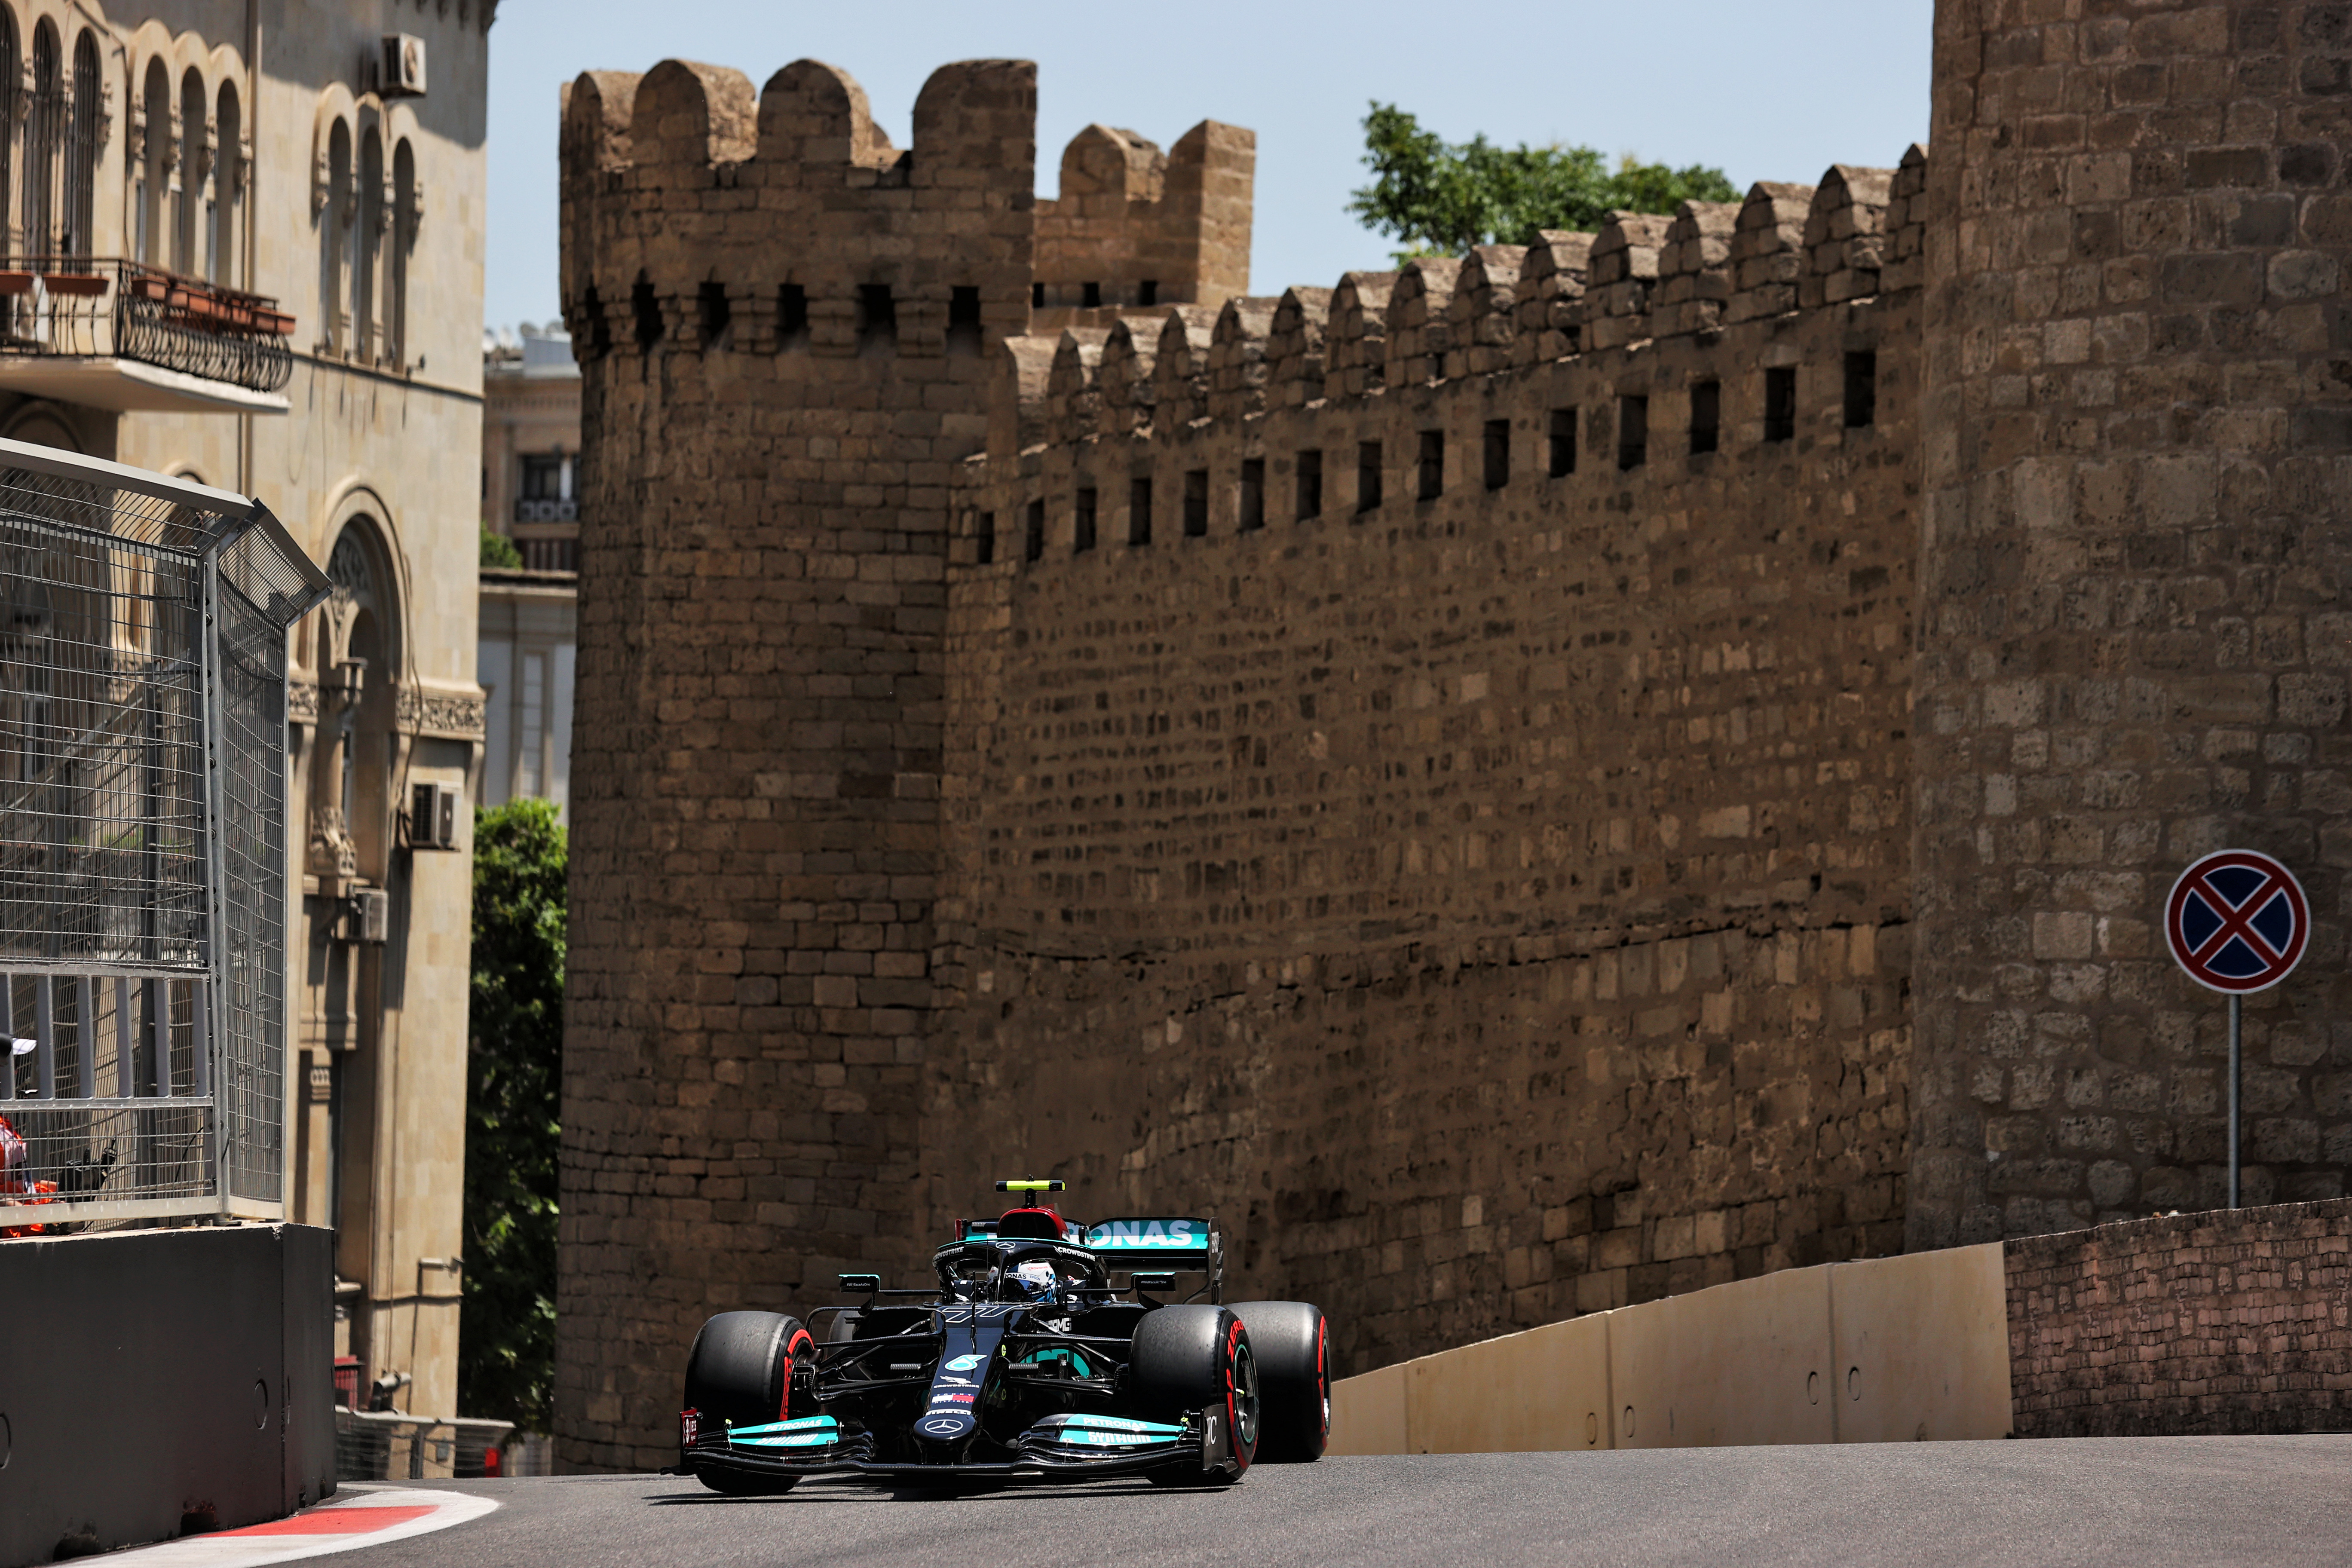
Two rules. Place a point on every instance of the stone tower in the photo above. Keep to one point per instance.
(2136, 423)
(785, 326)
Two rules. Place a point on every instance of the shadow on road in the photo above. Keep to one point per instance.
(851, 1493)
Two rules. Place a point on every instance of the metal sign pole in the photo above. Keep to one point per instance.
(2237, 1010)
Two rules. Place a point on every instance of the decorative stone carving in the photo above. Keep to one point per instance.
(445, 715)
(332, 853)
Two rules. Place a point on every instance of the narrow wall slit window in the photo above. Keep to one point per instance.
(1780, 404)
(1253, 496)
(1498, 453)
(963, 319)
(711, 298)
(1139, 511)
(1367, 475)
(1035, 549)
(1196, 503)
(1082, 538)
(647, 312)
(1036, 295)
(1091, 296)
(878, 316)
(985, 539)
(1860, 389)
(1432, 464)
(1706, 417)
(1632, 432)
(1148, 291)
(1563, 442)
(1310, 485)
(791, 317)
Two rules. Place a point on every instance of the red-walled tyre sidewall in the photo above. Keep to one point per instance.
(1187, 1358)
(1292, 1343)
(740, 1368)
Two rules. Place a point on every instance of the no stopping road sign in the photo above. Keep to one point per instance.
(2237, 922)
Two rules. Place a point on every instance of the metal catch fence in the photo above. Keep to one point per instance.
(143, 830)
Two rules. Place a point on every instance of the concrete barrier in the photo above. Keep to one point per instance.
(1893, 1349)
(1367, 1413)
(156, 1376)
(1544, 1390)
(1922, 1346)
(1737, 1363)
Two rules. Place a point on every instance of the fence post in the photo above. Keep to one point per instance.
(45, 1035)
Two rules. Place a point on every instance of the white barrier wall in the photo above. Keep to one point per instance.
(1890, 1350)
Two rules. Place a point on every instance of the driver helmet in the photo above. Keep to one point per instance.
(1037, 1277)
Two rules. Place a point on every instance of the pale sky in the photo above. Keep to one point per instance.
(1765, 89)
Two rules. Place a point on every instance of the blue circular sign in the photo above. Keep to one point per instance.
(2237, 922)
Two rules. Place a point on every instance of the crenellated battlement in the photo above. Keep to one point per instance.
(702, 217)
(1134, 226)
(1785, 252)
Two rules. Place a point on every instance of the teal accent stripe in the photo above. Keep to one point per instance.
(805, 1424)
(1114, 1424)
(798, 1440)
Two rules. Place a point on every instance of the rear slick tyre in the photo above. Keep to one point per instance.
(1190, 1358)
(1292, 1343)
(739, 1372)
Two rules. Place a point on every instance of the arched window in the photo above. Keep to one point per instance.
(366, 325)
(333, 223)
(81, 148)
(351, 799)
(404, 235)
(155, 169)
(42, 128)
(229, 187)
(188, 198)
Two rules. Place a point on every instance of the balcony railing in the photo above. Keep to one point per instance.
(531, 509)
(85, 307)
(550, 554)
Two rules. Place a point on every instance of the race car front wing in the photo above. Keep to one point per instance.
(1059, 1448)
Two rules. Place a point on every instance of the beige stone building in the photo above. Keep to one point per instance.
(531, 454)
(244, 244)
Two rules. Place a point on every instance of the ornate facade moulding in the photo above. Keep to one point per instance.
(301, 701)
(441, 713)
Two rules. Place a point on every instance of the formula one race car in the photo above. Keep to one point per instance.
(1027, 1361)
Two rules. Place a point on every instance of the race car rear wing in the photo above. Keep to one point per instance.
(1161, 1244)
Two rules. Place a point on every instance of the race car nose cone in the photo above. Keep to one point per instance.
(946, 1423)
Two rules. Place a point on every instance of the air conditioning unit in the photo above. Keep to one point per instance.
(368, 915)
(401, 74)
(433, 816)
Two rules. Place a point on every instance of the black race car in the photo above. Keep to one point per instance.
(1027, 1361)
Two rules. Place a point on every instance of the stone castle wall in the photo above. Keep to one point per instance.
(1489, 895)
(1469, 774)
(2134, 625)
(756, 742)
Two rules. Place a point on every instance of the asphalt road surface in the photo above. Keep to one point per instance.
(2140, 1502)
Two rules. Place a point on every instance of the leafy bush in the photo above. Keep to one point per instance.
(506, 1362)
(498, 550)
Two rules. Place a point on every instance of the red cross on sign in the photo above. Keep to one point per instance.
(2237, 922)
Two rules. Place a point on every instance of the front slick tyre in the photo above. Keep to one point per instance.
(1293, 1347)
(1185, 1359)
(739, 1373)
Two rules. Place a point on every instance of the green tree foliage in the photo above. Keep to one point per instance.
(498, 550)
(506, 1364)
(1435, 197)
